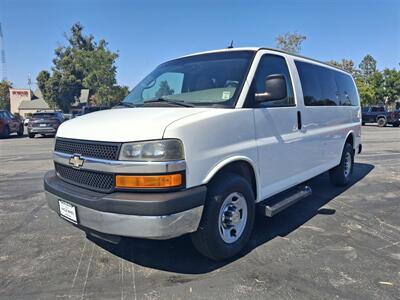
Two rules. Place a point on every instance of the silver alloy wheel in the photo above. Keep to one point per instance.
(347, 164)
(232, 217)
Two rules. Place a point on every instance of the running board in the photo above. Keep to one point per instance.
(276, 204)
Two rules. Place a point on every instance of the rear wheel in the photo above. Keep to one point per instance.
(228, 218)
(395, 124)
(381, 122)
(341, 174)
(31, 135)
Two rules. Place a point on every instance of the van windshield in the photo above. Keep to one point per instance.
(212, 80)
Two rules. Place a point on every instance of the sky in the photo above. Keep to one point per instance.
(147, 33)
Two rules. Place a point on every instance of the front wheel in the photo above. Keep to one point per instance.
(381, 122)
(341, 174)
(228, 218)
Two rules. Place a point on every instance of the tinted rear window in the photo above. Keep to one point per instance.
(44, 115)
(326, 87)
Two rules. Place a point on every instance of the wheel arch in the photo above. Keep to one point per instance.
(240, 165)
(351, 139)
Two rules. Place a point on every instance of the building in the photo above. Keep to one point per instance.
(17, 96)
(25, 102)
(27, 108)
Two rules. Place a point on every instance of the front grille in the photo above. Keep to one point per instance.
(102, 150)
(98, 181)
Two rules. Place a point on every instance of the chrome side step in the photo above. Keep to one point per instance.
(276, 204)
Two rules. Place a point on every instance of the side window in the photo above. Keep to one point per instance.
(169, 83)
(269, 65)
(348, 93)
(325, 87)
(318, 85)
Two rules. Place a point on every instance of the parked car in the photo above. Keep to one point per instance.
(393, 118)
(202, 143)
(44, 123)
(10, 124)
(374, 114)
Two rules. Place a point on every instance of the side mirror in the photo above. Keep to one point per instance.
(275, 89)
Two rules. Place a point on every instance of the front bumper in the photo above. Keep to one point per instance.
(143, 215)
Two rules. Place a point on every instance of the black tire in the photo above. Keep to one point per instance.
(381, 122)
(396, 124)
(363, 123)
(207, 239)
(31, 135)
(21, 130)
(340, 175)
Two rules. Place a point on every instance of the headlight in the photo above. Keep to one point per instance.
(160, 150)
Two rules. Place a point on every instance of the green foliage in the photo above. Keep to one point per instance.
(345, 64)
(5, 94)
(164, 89)
(290, 42)
(367, 67)
(82, 64)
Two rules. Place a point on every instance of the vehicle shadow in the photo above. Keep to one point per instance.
(179, 256)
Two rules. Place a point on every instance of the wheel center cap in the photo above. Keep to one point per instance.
(235, 217)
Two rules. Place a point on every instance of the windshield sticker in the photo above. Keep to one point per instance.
(226, 95)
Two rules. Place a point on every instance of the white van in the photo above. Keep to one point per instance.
(203, 142)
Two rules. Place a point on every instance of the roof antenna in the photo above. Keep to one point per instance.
(231, 45)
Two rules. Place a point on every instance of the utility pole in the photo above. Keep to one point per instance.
(3, 56)
(29, 80)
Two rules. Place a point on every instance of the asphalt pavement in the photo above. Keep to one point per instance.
(340, 243)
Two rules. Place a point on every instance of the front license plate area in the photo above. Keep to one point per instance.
(68, 211)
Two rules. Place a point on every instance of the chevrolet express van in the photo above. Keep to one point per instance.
(202, 143)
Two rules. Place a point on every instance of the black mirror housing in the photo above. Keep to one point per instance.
(275, 89)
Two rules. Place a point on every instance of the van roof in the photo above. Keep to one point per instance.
(255, 49)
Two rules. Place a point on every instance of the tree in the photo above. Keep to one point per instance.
(367, 67)
(82, 64)
(391, 85)
(290, 42)
(164, 89)
(345, 64)
(5, 94)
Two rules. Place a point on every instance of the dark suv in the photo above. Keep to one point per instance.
(45, 123)
(374, 114)
(10, 124)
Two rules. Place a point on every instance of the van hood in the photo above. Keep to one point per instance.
(125, 124)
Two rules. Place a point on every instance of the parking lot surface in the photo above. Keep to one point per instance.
(339, 243)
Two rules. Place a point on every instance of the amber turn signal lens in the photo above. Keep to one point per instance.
(153, 181)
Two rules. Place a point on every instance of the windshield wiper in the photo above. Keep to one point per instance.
(167, 100)
(125, 104)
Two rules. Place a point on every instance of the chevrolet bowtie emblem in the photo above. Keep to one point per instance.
(76, 161)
